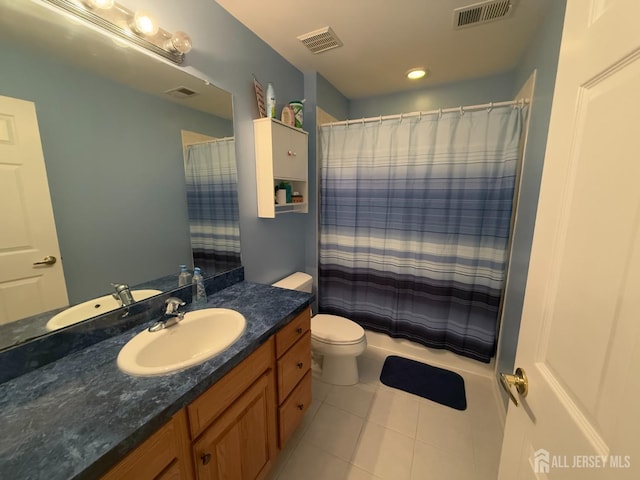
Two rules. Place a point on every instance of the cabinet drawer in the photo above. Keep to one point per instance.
(293, 409)
(293, 366)
(292, 332)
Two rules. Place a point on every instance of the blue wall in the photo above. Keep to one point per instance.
(495, 88)
(114, 164)
(541, 55)
(331, 100)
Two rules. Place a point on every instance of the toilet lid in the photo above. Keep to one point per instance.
(336, 330)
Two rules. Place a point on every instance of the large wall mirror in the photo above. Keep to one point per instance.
(126, 140)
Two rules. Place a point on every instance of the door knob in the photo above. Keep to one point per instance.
(518, 380)
(48, 260)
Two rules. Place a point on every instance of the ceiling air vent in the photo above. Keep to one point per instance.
(483, 12)
(181, 92)
(320, 40)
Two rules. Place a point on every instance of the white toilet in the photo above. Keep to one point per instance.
(335, 341)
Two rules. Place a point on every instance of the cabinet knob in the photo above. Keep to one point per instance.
(206, 458)
(291, 153)
(299, 330)
(300, 406)
(300, 364)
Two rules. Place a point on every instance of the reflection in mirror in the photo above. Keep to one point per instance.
(109, 119)
(212, 186)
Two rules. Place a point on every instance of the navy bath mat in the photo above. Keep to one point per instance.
(429, 382)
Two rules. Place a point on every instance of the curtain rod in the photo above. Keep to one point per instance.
(216, 140)
(489, 106)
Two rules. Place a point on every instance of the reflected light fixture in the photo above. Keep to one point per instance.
(417, 73)
(144, 23)
(139, 28)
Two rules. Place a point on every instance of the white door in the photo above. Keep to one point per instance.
(27, 228)
(580, 335)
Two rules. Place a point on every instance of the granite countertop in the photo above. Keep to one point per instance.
(80, 415)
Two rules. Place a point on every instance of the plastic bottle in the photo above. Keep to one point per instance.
(298, 112)
(199, 292)
(271, 101)
(185, 277)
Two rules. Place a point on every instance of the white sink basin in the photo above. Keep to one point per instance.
(92, 308)
(201, 335)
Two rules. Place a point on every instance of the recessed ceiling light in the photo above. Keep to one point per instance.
(417, 73)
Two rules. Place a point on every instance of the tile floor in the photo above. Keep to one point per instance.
(370, 432)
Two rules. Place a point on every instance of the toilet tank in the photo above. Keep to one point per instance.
(300, 281)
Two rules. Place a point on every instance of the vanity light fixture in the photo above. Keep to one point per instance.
(139, 28)
(417, 73)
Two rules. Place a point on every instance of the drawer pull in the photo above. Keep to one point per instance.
(206, 458)
(300, 406)
(299, 330)
(300, 364)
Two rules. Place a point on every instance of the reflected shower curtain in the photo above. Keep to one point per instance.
(415, 223)
(212, 199)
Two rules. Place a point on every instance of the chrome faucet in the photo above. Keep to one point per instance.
(122, 294)
(171, 315)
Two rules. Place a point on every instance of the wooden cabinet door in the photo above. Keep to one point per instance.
(163, 456)
(241, 443)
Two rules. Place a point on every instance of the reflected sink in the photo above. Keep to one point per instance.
(92, 308)
(201, 335)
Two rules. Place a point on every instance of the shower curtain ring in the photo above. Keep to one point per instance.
(380, 119)
(401, 115)
(490, 107)
(461, 111)
(439, 113)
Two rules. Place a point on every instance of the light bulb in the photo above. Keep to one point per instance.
(144, 23)
(416, 73)
(179, 42)
(100, 4)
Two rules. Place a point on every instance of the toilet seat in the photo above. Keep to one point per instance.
(335, 330)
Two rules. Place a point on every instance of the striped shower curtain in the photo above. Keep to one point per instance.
(415, 223)
(212, 200)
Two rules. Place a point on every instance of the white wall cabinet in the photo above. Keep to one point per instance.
(282, 155)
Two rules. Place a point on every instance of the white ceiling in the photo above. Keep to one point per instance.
(385, 38)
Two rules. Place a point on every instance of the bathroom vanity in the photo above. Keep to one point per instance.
(236, 428)
(81, 417)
